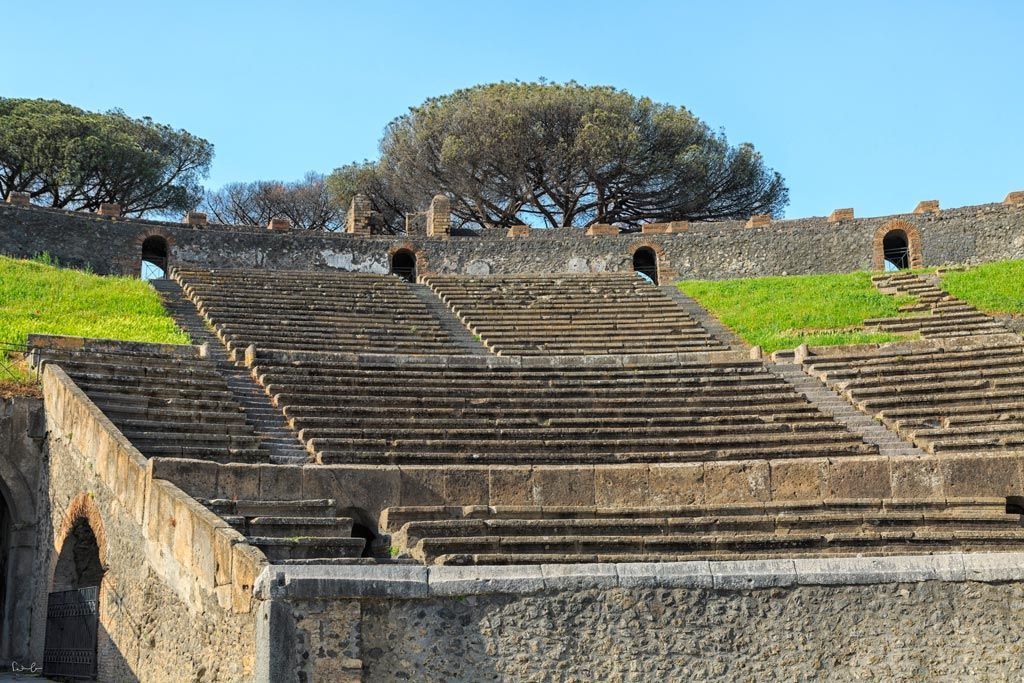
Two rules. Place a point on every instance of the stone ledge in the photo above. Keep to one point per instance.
(331, 581)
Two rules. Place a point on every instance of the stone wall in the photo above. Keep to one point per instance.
(22, 461)
(176, 597)
(710, 250)
(942, 617)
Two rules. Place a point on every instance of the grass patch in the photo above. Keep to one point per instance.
(996, 287)
(784, 312)
(38, 297)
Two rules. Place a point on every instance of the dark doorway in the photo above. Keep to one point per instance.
(403, 264)
(645, 263)
(896, 250)
(72, 610)
(154, 258)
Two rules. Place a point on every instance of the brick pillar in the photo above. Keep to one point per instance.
(18, 198)
(196, 218)
(279, 225)
(519, 231)
(359, 218)
(439, 217)
(759, 220)
(1012, 199)
(927, 206)
(841, 215)
(108, 209)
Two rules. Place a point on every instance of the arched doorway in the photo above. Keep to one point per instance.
(403, 264)
(896, 250)
(645, 264)
(72, 611)
(154, 258)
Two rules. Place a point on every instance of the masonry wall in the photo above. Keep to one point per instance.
(172, 606)
(714, 250)
(946, 617)
(22, 462)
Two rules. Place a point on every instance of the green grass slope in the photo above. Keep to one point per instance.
(996, 287)
(784, 312)
(38, 297)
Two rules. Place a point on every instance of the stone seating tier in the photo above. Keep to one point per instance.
(935, 314)
(965, 399)
(516, 535)
(350, 413)
(169, 402)
(571, 314)
(314, 311)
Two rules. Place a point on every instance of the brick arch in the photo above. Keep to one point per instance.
(82, 508)
(132, 264)
(913, 243)
(422, 267)
(665, 272)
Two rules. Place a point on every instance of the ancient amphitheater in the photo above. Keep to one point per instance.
(455, 457)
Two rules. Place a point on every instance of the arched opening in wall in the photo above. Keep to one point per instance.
(72, 611)
(403, 264)
(896, 250)
(154, 258)
(645, 264)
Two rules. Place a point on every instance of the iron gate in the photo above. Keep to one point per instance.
(72, 621)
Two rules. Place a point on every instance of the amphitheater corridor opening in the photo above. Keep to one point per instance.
(154, 258)
(645, 264)
(403, 264)
(72, 611)
(896, 250)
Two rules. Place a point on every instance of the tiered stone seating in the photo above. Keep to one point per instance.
(314, 311)
(292, 531)
(559, 315)
(437, 412)
(494, 535)
(934, 314)
(961, 398)
(167, 401)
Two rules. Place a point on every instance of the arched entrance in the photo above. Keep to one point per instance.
(645, 264)
(896, 250)
(403, 264)
(72, 610)
(154, 258)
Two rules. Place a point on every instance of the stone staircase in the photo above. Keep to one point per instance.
(935, 314)
(481, 535)
(462, 340)
(571, 315)
(267, 422)
(713, 325)
(292, 531)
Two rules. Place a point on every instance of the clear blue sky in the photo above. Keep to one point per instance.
(874, 105)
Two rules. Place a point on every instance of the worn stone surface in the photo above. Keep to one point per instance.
(919, 631)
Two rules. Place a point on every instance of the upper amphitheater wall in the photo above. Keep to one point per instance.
(718, 250)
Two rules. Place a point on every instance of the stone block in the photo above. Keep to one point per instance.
(223, 546)
(281, 482)
(246, 564)
(18, 198)
(485, 580)
(1015, 198)
(465, 485)
(197, 478)
(601, 230)
(868, 570)
(366, 488)
(759, 220)
(160, 521)
(679, 226)
(519, 231)
(439, 216)
(676, 484)
(576, 577)
(748, 574)
(980, 475)
(927, 206)
(279, 225)
(422, 486)
(855, 477)
(802, 479)
(916, 477)
(195, 218)
(621, 486)
(238, 482)
(110, 209)
(656, 228)
(840, 215)
(665, 574)
(563, 485)
(745, 481)
(993, 567)
(510, 485)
